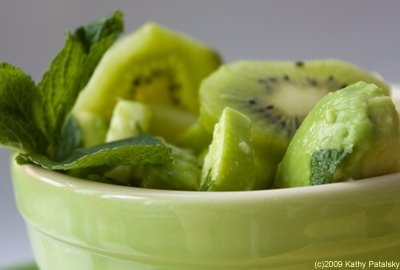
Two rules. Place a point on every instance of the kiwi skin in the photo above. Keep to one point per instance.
(250, 87)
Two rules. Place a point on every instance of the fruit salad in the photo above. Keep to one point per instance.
(158, 109)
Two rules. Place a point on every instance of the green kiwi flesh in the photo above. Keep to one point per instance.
(182, 173)
(93, 128)
(229, 163)
(169, 122)
(350, 134)
(154, 65)
(276, 96)
(129, 119)
(195, 138)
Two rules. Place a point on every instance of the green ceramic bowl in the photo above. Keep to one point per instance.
(78, 224)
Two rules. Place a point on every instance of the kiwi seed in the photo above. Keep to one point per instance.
(173, 87)
(140, 66)
(276, 96)
(252, 101)
(312, 82)
(299, 63)
(136, 82)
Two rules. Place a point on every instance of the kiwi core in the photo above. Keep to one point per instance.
(301, 100)
(158, 87)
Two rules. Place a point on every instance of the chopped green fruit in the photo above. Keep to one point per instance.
(350, 134)
(183, 173)
(229, 163)
(93, 128)
(129, 119)
(158, 111)
(122, 174)
(169, 122)
(195, 138)
(276, 96)
(154, 65)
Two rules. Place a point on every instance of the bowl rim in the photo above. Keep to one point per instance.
(60, 180)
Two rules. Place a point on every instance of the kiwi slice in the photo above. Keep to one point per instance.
(168, 122)
(93, 128)
(154, 65)
(182, 173)
(195, 138)
(229, 164)
(130, 118)
(350, 134)
(276, 96)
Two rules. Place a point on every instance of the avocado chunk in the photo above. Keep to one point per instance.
(352, 133)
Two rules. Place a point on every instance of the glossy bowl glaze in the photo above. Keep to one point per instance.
(78, 224)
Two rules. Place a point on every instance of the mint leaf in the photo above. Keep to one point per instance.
(96, 38)
(33, 118)
(100, 29)
(70, 139)
(17, 127)
(141, 150)
(326, 166)
(17, 134)
(57, 92)
(68, 74)
(17, 90)
(91, 60)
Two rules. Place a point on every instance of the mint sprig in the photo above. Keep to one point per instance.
(326, 166)
(18, 129)
(140, 150)
(69, 72)
(57, 92)
(70, 139)
(36, 120)
(103, 28)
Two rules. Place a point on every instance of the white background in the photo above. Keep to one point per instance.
(365, 32)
